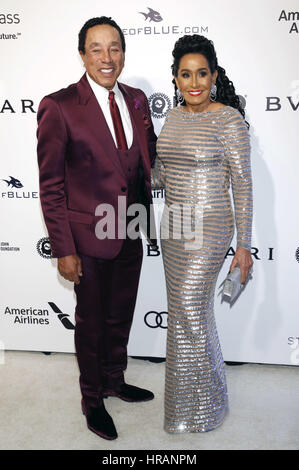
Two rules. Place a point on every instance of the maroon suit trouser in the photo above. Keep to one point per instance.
(106, 298)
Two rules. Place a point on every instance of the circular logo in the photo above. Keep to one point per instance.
(297, 255)
(159, 104)
(44, 248)
(155, 319)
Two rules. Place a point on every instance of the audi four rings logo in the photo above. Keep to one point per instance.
(154, 319)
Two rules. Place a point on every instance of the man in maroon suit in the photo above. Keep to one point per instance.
(96, 145)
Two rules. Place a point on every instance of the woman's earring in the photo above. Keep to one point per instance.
(213, 92)
(179, 96)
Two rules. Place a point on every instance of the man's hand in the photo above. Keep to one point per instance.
(70, 268)
(244, 260)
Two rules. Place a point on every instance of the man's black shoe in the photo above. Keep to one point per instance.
(129, 393)
(99, 421)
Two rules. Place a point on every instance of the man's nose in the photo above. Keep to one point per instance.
(106, 57)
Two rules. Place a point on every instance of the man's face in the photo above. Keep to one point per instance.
(104, 58)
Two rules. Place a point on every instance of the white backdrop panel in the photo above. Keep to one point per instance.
(257, 44)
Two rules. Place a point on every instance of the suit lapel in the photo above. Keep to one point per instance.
(96, 121)
(137, 118)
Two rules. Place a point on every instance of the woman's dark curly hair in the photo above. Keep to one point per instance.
(201, 45)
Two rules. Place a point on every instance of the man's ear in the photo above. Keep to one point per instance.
(82, 55)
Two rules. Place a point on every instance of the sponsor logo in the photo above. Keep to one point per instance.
(63, 317)
(275, 103)
(154, 319)
(153, 20)
(293, 342)
(154, 250)
(152, 15)
(37, 316)
(292, 20)
(5, 246)
(25, 105)
(158, 193)
(43, 247)
(15, 183)
(28, 316)
(268, 254)
(242, 100)
(159, 104)
(9, 19)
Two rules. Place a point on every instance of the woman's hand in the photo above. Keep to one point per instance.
(243, 259)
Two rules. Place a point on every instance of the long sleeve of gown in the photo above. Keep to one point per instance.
(237, 150)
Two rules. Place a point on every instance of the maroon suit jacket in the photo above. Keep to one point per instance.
(80, 168)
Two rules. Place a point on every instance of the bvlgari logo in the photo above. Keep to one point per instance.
(152, 15)
(24, 106)
(292, 18)
(159, 104)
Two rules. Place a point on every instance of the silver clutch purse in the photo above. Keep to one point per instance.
(232, 286)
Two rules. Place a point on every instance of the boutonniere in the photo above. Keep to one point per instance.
(146, 118)
(136, 103)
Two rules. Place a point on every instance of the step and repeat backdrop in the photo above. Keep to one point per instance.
(257, 43)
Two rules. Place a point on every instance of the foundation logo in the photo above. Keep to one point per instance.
(292, 19)
(44, 248)
(159, 104)
(5, 246)
(152, 15)
(12, 184)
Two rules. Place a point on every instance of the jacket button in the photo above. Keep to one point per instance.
(124, 189)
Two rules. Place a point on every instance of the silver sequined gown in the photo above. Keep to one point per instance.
(199, 154)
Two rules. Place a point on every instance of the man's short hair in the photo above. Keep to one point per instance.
(98, 21)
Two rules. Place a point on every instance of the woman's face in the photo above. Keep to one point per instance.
(195, 80)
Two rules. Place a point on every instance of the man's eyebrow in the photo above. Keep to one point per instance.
(96, 44)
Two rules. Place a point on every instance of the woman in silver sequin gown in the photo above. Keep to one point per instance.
(203, 146)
